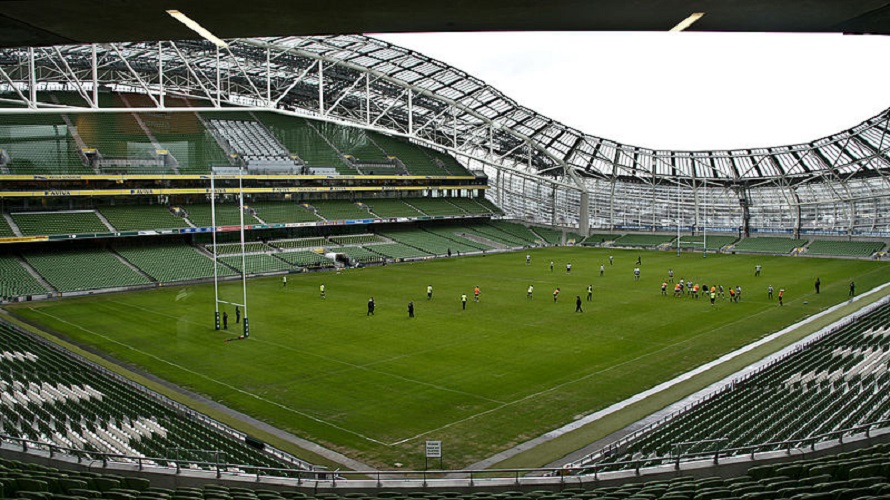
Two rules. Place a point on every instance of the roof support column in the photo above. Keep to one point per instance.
(269, 75)
(695, 219)
(612, 181)
(32, 79)
(321, 87)
(553, 217)
(218, 102)
(410, 112)
(584, 214)
(161, 74)
(94, 68)
(367, 99)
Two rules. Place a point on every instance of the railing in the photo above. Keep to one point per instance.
(543, 476)
(179, 408)
(722, 453)
(612, 448)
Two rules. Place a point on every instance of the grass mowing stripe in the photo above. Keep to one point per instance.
(327, 358)
(552, 365)
(388, 374)
(549, 453)
(202, 376)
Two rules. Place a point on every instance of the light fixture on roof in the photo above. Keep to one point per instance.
(686, 23)
(197, 28)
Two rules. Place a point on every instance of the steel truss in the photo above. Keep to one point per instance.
(539, 169)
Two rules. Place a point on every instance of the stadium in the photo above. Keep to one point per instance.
(327, 266)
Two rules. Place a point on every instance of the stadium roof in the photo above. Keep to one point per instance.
(371, 83)
(56, 22)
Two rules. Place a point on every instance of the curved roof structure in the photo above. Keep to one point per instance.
(371, 83)
(54, 22)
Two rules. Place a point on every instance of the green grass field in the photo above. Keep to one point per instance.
(503, 371)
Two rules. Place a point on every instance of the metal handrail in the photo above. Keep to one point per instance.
(513, 476)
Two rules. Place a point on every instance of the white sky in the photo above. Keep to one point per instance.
(685, 91)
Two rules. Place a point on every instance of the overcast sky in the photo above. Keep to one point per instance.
(679, 90)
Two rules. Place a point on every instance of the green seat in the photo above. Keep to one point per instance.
(870, 470)
(794, 471)
(713, 494)
(105, 483)
(66, 484)
(118, 495)
(35, 495)
(823, 478)
(760, 495)
(136, 483)
(29, 484)
(80, 492)
(762, 471)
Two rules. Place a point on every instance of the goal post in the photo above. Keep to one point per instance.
(217, 300)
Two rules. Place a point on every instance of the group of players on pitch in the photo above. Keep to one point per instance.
(681, 288)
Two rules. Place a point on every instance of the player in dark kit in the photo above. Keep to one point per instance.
(371, 307)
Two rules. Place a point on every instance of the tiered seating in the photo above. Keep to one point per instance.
(169, 263)
(768, 244)
(470, 206)
(507, 234)
(46, 223)
(140, 217)
(340, 210)
(226, 215)
(257, 264)
(414, 157)
(516, 230)
(357, 239)
(67, 402)
(351, 141)
(488, 206)
(252, 142)
(826, 386)
(398, 251)
(448, 163)
(122, 145)
(16, 281)
(5, 230)
(436, 241)
(185, 137)
(599, 239)
(715, 242)
(235, 248)
(440, 206)
(283, 212)
(303, 140)
(643, 240)
(361, 254)
(837, 248)
(554, 236)
(305, 258)
(388, 207)
(298, 243)
(39, 144)
(71, 271)
(451, 237)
